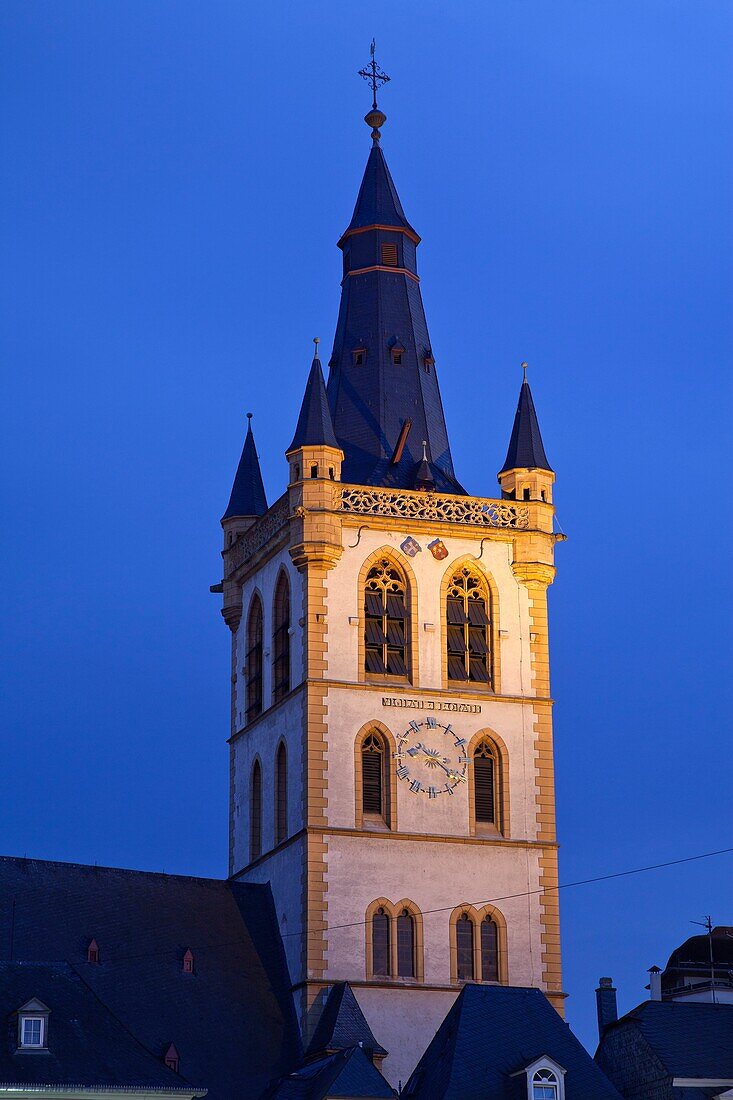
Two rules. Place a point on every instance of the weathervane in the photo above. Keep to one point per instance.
(375, 76)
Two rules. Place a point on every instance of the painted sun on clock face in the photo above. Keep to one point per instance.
(431, 758)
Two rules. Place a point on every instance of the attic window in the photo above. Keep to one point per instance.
(32, 1025)
(389, 255)
(358, 356)
(545, 1085)
(172, 1059)
(397, 351)
(427, 362)
(32, 1031)
(93, 952)
(188, 962)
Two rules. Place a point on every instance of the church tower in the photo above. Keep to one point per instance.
(391, 738)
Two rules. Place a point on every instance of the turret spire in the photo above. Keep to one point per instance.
(526, 449)
(248, 492)
(314, 427)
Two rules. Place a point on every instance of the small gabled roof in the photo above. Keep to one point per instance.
(343, 1024)
(378, 202)
(248, 492)
(690, 1039)
(347, 1073)
(314, 427)
(526, 449)
(87, 1044)
(490, 1034)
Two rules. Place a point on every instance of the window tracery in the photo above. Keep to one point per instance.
(386, 621)
(253, 660)
(468, 628)
(281, 640)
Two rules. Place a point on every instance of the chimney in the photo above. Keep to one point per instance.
(655, 983)
(605, 1005)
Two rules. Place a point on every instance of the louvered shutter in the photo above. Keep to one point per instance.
(371, 782)
(483, 778)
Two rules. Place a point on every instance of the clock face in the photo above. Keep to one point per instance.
(431, 758)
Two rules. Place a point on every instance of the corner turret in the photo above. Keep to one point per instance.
(526, 473)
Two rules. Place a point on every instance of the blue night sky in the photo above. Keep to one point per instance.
(175, 178)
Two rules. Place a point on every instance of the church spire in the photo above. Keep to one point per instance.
(248, 493)
(382, 386)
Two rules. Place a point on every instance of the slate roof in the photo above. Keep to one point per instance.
(248, 492)
(690, 1039)
(343, 1024)
(314, 427)
(381, 310)
(526, 449)
(347, 1073)
(86, 1043)
(492, 1033)
(232, 1021)
(378, 202)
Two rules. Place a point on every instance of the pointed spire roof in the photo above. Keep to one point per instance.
(383, 388)
(248, 493)
(378, 202)
(526, 449)
(314, 427)
(343, 1024)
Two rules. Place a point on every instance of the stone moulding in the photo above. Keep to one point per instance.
(404, 504)
(258, 535)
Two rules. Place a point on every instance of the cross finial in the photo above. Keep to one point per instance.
(375, 76)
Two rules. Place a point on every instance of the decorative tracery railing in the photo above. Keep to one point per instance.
(404, 504)
(258, 535)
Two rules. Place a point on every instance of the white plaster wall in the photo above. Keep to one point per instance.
(404, 1021)
(437, 877)
(284, 722)
(344, 601)
(264, 583)
(283, 870)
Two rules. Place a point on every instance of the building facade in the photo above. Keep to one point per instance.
(391, 717)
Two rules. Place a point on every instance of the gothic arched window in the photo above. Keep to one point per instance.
(373, 768)
(281, 640)
(468, 628)
(489, 950)
(253, 660)
(544, 1085)
(405, 945)
(386, 628)
(464, 949)
(381, 943)
(281, 794)
(255, 813)
(484, 780)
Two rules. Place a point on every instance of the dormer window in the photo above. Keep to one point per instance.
(545, 1085)
(93, 952)
(389, 255)
(428, 361)
(358, 356)
(396, 350)
(188, 962)
(32, 1026)
(171, 1058)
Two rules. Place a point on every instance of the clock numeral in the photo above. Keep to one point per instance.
(464, 759)
(432, 724)
(448, 789)
(460, 742)
(432, 793)
(403, 772)
(416, 786)
(414, 750)
(415, 726)
(398, 756)
(449, 729)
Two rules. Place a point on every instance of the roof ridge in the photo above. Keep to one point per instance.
(123, 870)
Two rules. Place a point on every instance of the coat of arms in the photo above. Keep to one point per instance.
(410, 546)
(438, 549)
